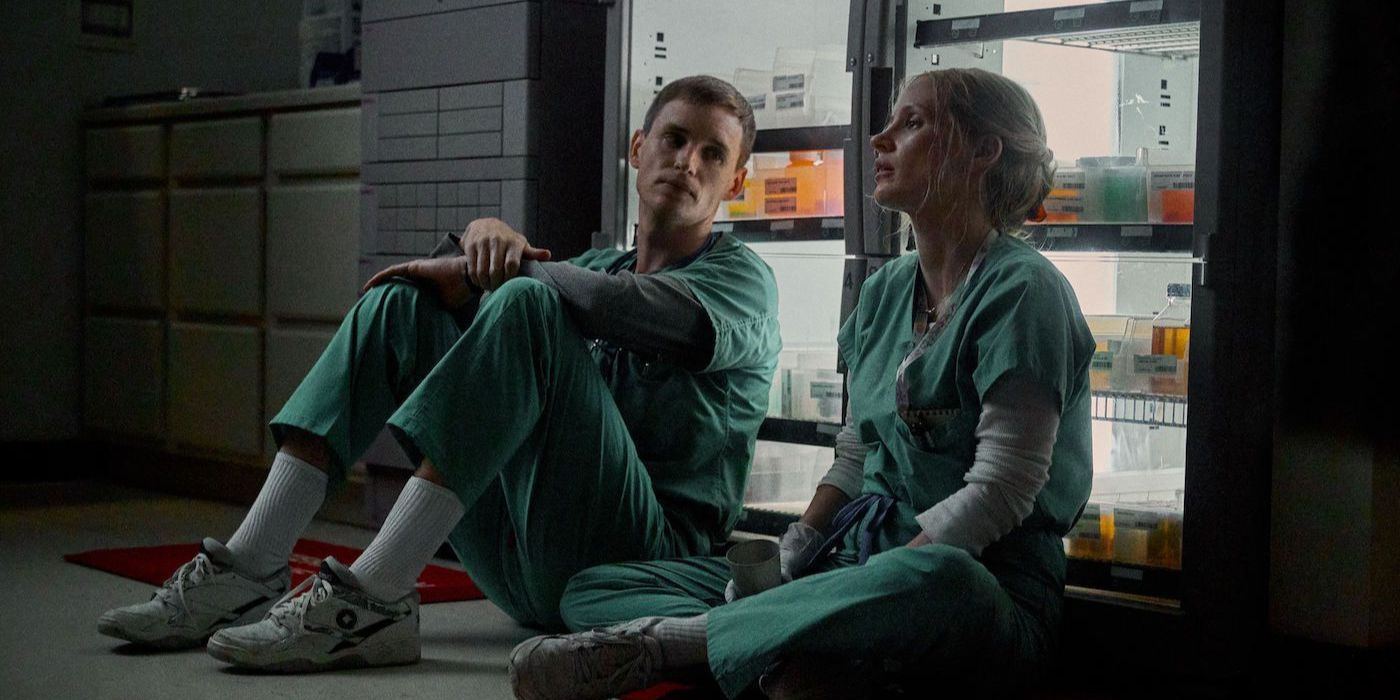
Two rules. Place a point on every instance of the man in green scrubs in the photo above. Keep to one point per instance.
(594, 411)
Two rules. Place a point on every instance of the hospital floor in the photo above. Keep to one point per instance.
(50, 646)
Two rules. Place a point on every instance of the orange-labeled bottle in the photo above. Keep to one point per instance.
(809, 181)
(1171, 341)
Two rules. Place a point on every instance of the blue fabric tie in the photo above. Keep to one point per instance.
(851, 514)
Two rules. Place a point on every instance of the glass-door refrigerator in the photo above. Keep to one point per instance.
(1120, 87)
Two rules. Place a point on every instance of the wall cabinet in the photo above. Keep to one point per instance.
(222, 247)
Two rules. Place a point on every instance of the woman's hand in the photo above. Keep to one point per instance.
(494, 250)
(446, 276)
(919, 540)
(799, 546)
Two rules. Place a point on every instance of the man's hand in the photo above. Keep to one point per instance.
(494, 251)
(919, 540)
(447, 277)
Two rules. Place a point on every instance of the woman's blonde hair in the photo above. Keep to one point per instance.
(970, 103)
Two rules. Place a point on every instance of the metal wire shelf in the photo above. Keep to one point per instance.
(1168, 40)
(1164, 410)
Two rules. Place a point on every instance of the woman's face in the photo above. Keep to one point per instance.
(909, 151)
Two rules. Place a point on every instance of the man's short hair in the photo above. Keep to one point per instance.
(707, 91)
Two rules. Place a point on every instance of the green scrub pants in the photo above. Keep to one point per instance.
(514, 414)
(953, 623)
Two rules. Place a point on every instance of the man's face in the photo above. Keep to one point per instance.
(688, 163)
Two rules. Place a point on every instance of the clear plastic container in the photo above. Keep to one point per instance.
(831, 86)
(1109, 332)
(1092, 536)
(814, 387)
(757, 87)
(1171, 343)
(792, 82)
(1124, 375)
(1147, 536)
(1115, 189)
(1065, 203)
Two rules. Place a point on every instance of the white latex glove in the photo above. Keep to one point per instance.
(797, 548)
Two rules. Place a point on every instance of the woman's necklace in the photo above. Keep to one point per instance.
(930, 306)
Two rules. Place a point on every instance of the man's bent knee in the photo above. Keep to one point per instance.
(397, 294)
(522, 298)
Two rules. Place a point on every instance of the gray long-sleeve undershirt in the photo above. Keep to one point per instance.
(647, 314)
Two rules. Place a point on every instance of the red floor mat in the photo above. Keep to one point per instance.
(660, 690)
(437, 584)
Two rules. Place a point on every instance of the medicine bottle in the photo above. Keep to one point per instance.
(1171, 338)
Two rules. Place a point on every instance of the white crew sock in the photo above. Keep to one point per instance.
(288, 501)
(683, 640)
(418, 524)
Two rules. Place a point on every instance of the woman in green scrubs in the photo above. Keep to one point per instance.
(965, 459)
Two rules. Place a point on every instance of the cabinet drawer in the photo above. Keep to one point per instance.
(124, 374)
(312, 250)
(291, 353)
(125, 249)
(215, 379)
(223, 148)
(215, 250)
(326, 141)
(125, 153)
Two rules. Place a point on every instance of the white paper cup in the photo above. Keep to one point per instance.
(754, 565)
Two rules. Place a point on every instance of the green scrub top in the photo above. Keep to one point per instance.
(1015, 314)
(695, 430)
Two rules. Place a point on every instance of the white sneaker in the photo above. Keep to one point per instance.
(203, 596)
(603, 663)
(326, 623)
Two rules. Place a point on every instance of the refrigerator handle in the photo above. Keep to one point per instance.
(1200, 270)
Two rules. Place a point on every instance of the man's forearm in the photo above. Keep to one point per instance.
(647, 313)
(639, 312)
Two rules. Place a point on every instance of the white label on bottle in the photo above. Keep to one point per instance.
(1088, 526)
(780, 205)
(1173, 179)
(792, 81)
(780, 186)
(1154, 364)
(788, 100)
(1135, 519)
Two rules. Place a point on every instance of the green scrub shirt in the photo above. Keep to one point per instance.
(1016, 314)
(695, 430)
